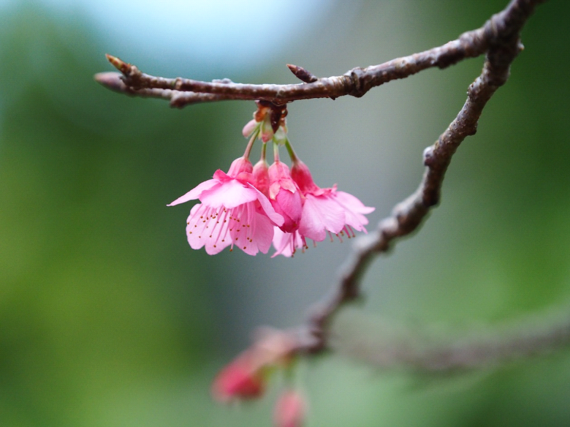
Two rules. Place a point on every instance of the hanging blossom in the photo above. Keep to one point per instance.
(325, 211)
(309, 212)
(252, 207)
(285, 196)
(233, 212)
(246, 377)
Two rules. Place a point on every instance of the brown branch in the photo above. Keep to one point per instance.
(355, 82)
(407, 216)
(389, 346)
(178, 99)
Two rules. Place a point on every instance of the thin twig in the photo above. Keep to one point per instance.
(504, 45)
(390, 346)
(355, 82)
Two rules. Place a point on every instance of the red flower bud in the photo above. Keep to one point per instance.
(238, 381)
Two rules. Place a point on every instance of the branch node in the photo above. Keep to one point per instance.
(356, 77)
(491, 29)
(429, 158)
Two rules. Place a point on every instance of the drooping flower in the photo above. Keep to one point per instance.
(238, 380)
(246, 376)
(325, 210)
(233, 212)
(290, 409)
(285, 196)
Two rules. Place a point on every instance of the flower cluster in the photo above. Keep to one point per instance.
(252, 207)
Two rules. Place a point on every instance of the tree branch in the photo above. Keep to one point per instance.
(386, 346)
(409, 214)
(355, 82)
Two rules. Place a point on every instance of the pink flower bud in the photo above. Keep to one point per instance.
(238, 381)
(245, 377)
(290, 409)
(266, 130)
(249, 128)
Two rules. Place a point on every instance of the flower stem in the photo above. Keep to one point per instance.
(291, 152)
(263, 150)
(250, 145)
(275, 151)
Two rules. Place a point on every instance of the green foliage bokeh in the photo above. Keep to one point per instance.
(108, 319)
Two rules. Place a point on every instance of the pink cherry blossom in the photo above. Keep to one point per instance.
(325, 210)
(233, 212)
(285, 196)
(239, 380)
(246, 376)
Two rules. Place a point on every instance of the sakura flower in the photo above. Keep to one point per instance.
(246, 376)
(238, 380)
(285, 196)
(326, 209)
(232, 212)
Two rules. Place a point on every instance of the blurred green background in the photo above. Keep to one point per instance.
(108, 318)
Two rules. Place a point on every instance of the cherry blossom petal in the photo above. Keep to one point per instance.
(353, 210)
(254, 236)
(208, 227)
(250, 231)
(320, 214)
(230, 194)
(352, 203)
(195, 192)
(290, 206)
(268, 208)
(286, 244)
